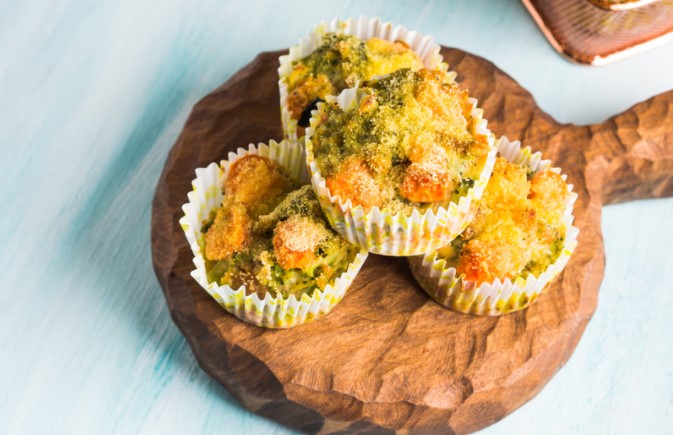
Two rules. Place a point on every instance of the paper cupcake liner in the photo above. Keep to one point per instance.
(498, 297)
(364, 28)
(270, 311)
(382, 232)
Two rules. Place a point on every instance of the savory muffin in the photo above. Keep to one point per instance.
(337, 54)
(520, 239)
(269, 234)
(518, 228)
(339, 62)
(410, 142)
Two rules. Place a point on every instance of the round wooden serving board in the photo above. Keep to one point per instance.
(387, 357)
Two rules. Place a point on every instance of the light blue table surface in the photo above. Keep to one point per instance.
(92, 97)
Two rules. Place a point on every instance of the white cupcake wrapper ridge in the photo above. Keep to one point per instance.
(382, 232)
(364, 28)
(270, 311)
(501, 296)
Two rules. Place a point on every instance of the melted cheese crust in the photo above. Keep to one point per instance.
(269, 234)
(410, 143)
(340, 62)
(518, 228)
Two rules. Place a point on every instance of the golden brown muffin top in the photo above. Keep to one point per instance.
(340, 62)
(411, 142)
(518, 228)
(270, 235)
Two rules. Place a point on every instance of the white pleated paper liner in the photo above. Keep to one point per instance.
(364, 28)
(498, 297)
(270, 312)
(382, 232)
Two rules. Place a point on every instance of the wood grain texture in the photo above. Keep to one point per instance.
(388, 357)
(93, 97)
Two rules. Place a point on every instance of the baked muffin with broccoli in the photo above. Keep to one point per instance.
(262, 247)
(411, 142)
(518, 228)
(520, 238)
(269, 235)
(340, 62)
(408, 142)
(340, 54)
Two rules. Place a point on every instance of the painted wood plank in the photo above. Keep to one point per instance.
(92, 96)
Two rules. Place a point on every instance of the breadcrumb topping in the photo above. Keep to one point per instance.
(299, 234)
(518, 227)
(270, 235)
(229, 233)
(296, 240)
(411, 140)
(340, 62)
(257, 183)
(356, 181)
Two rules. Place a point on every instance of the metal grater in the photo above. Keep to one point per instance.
(597, 32)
